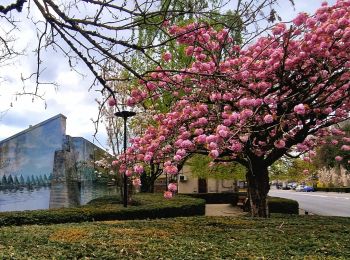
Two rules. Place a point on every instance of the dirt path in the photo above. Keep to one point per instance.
(223, 210)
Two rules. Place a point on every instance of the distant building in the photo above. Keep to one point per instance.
(44, 156)
(189, 184)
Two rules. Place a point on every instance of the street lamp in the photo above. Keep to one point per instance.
(125, 115)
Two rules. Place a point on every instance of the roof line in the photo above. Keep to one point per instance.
(32, 127)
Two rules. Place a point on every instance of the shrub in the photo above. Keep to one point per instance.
(281, 205)
(334, 189)
(216, 198)
(107, 208)
(277, 205)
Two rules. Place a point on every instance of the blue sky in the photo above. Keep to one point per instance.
(71, 97)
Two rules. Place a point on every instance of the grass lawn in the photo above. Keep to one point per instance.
(280, 237)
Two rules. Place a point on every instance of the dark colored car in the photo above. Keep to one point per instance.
(308, 188)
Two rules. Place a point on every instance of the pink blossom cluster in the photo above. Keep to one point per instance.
(136, 182)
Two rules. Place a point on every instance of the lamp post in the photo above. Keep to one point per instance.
(125, 115)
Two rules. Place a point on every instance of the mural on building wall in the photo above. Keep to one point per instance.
(42, 160)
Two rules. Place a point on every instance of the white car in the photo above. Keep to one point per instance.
(300, 188)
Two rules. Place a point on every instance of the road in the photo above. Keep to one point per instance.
(319, 203)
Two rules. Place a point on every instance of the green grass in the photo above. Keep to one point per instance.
(280, 237)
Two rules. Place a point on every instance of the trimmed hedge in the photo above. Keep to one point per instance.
(216, 198)
(282, 205)
(334, 189)
(277, 205)
(149, 206)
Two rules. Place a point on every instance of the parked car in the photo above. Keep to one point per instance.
(300, 188)
(292, 185)
(308, 188)
(304, 188)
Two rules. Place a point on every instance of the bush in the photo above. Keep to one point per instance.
(278, 205)
(334, 189)
(216, 198)
(108, 208)
(281, 205)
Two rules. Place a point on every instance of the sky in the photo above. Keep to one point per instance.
(71, 96)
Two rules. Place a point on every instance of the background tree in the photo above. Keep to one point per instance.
(202, 166)
(258, 103)
(293, 169)
(334, 152)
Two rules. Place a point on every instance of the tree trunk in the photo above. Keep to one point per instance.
(151, 186)
(258, 187)
(147, 183)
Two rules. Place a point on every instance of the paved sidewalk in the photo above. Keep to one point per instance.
(229, 210)
(223, 210)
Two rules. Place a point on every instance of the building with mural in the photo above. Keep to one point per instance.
(44, 159)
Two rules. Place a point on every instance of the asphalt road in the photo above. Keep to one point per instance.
(319, 203)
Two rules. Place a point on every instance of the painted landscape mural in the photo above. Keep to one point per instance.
(42, 167)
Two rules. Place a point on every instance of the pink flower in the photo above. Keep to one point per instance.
(177, 158)
(244, 138)
(198, 131)
(306, 171)
(346, 139)
(328, 110)
(312, 153)
(186, 144)
(307, 159)
(345, 147)
(338, 158)
(236, 147)
(337, 131)
(211, 138)
(223, 133)
(136, 182)
(114, 163)
(131, 101)
(268, 119)
(300, 19)
(246, 113)
(171, 169)
(172, 187)
(151, 86)
(111, 102)
(167, 56)
(128, 173)
(168, 194)
(234, 117)
(202, 121)
(148, 157)
(279, 28)
(213, 146)
(334, 142)
(181, 152)
(138, 168)
(167, 163)
(201, 139)
(279, 144)
(189, 50)
(299, 109)
(214, 153)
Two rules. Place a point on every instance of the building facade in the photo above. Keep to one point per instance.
(43, 158)
(189, 184)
